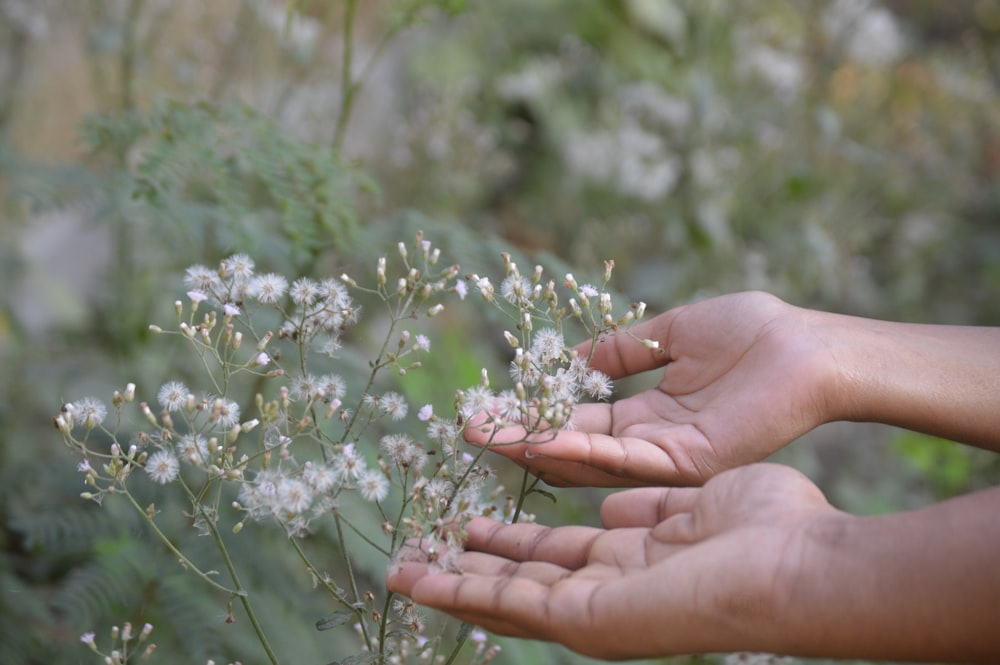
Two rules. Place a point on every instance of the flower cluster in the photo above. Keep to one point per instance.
(305, 444)
(123, 641)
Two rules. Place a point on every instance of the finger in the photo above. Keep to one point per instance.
(567, 546)
(647, 506)
(624, 355)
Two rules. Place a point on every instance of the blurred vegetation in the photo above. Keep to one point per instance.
(842, 154)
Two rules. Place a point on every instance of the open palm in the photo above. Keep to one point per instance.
(674, 570)
(743, 376)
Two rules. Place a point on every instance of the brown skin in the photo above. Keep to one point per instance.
(756, 559)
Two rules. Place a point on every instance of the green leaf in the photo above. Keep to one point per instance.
(334, 620)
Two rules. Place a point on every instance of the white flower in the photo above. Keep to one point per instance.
(515, 289)
(89, 411)
(320, 477)
(304, 291)
(197, 296)
(201, 278)
(267, 289)
(462, 289)
(193, 449)
(349, 465)
(394, 404)
(423, 343)
(597, 384)
(172, 395)
(229, 309)
(548, 345)
(425, 413)
(239, 267)
(226, 413)
(304, 387)
(294, 495)
(477, 400)
(373, 486)
(332, 385)
(162, 467)
(394, 446)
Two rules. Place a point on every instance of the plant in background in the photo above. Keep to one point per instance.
(275, 435)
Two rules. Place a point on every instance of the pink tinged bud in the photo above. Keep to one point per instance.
(187, 330)
(61, 424)
(526, 323)
(571, 282)
(129, 393)
(146, 630)
(197, 296)
(88, 639)
(380, 271)
(537, 275)
(573, 305)
(148, 413)
(237, 340)
(262, 359)
(605, 304)
(178, 307)
(116, 450)
(425, 413)
(262, 344)
(401, 285)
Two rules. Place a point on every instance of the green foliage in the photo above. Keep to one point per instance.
(225, 177)
(946, 469)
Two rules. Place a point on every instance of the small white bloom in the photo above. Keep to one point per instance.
(425, 413)
(373, 486)
(173, 395)
(267, 289)
(597, 384)
(423, 343)
(304, 291)
(201, 278)
(90, 412)
(229, 309)
(239, 267)
(197, 296)
(294, 495)
(462, 289)
(162, 467)
(394, 404)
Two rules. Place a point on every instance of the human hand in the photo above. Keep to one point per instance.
(676, 570)
(745, 375)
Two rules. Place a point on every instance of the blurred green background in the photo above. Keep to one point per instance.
(842, 155)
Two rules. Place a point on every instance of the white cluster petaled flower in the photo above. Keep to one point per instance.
(238, 267)
(332, 385)
(89, 412)
(172, 396)
(225, 413)
(162, 466)
(597, 384)
(394, 404)
(267, 289)
(515, 289)
(193, 449)
(425, 413)
(305, 387)
(373, 486)
(203, 279)
(304, 292)
(320, 477)
(548, 345)
(349, 464)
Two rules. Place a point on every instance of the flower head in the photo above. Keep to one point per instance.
(90, 412)
(267, 289)
(172, 395)
(162, 467)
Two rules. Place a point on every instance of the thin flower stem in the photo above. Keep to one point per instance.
(332, 588)
(350, 573)
(348, 88)
(187, 563)
(240, 591)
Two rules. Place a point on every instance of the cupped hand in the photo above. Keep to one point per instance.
(676, 570)
(744, 375)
